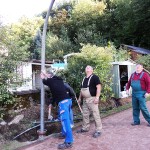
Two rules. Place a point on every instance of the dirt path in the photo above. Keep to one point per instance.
(117, 134)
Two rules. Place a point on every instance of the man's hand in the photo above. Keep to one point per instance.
(146, 95)
(42, 76)
(127, 91)
(96, 100)
(79, 98)
(79, 101)
(50, 117)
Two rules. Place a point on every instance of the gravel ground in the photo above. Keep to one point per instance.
(117, 134)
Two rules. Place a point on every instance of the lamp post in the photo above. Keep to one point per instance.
(41, 132)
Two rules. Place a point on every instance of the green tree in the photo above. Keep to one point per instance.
(83, 23)
(116, 23)
(78, 23)
(37, 44)
(15, 41)
(97, 22)
(57, 47)
(145, 61)
(127, 21)
(22, 34)
(6, 69)
(141, 12)
(60, 20)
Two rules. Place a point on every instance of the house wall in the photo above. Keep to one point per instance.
(24, 75)
(27, 75)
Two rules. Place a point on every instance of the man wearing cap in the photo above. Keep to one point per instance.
(62, 99)
(140, 83)
(90, 93)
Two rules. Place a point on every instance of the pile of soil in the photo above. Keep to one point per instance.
(31, 114)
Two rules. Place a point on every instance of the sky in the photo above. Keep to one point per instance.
(12, 10)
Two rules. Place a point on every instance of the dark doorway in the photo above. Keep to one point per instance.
(123, 76)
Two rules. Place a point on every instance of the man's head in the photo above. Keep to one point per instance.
(139, 68)
(89, 69)
(49, 73)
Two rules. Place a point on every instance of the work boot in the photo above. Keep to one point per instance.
(135, 123)
(81, 131)
(96, 134)
(64, 145)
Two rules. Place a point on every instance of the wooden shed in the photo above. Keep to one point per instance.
(135, 51)
(121, 73)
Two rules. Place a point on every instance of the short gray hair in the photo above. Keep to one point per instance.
(139, 65)
(89, 67)
(49, 72)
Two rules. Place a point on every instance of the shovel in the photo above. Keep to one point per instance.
(79, 105)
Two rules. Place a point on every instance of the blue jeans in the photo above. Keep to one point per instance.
(66, 117)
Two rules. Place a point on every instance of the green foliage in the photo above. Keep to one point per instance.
(21, 35)
(37, 44)
(119, 54)
(57, 47)
(15, 43)
(98, 57)
(86, 10)
(59, 21)
(6, 74)
(5, 69)
(89, 36)
(83, 25)
(141, 12)
(96, 22)
(145, 61)
(15, 46)
(79, 24)
(5, 97)
(117, 22)
(127, 22)
(7, 78)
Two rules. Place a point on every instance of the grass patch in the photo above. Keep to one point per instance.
(12, 145)
(116, 110)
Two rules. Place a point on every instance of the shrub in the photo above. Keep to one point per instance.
(98, 57)
(145, 61)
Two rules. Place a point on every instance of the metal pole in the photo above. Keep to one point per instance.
(43, 68)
